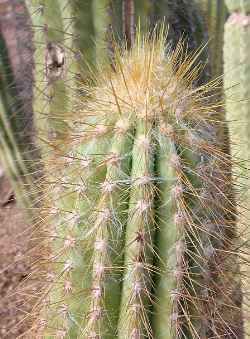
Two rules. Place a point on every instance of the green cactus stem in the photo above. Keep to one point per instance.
(238, 6)
(104, 29)
(70, 211)
(108, 236)
(84, 36)
(165, 236)
(140, 229)
(236, 83)
(142, 216)
(55, 66)
(215, 13)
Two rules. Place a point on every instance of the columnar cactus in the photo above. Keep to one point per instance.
(55, 56)
(84, 33)
(238, 5)
(236, 79)
(215, 13)
(138, 216)
(143, 239)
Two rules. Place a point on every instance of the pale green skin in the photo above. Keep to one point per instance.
(53, 123)
(142, 165)
(52, 117)
(84, 34)
(101, 21)
(69, 201)
(238, 5)
(111, 232)
(237, 91)
(166, 239)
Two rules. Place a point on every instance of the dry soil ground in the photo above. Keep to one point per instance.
(13, 267)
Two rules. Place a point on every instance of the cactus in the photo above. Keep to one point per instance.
(84, 34)
(143, 214)
(238, 5)
(236, 79)
(138, 218)
(215, 13)
(55, 56)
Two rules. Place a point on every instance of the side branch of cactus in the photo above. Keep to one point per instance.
(55, 55)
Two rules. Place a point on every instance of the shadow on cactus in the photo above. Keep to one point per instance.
(139, 216)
